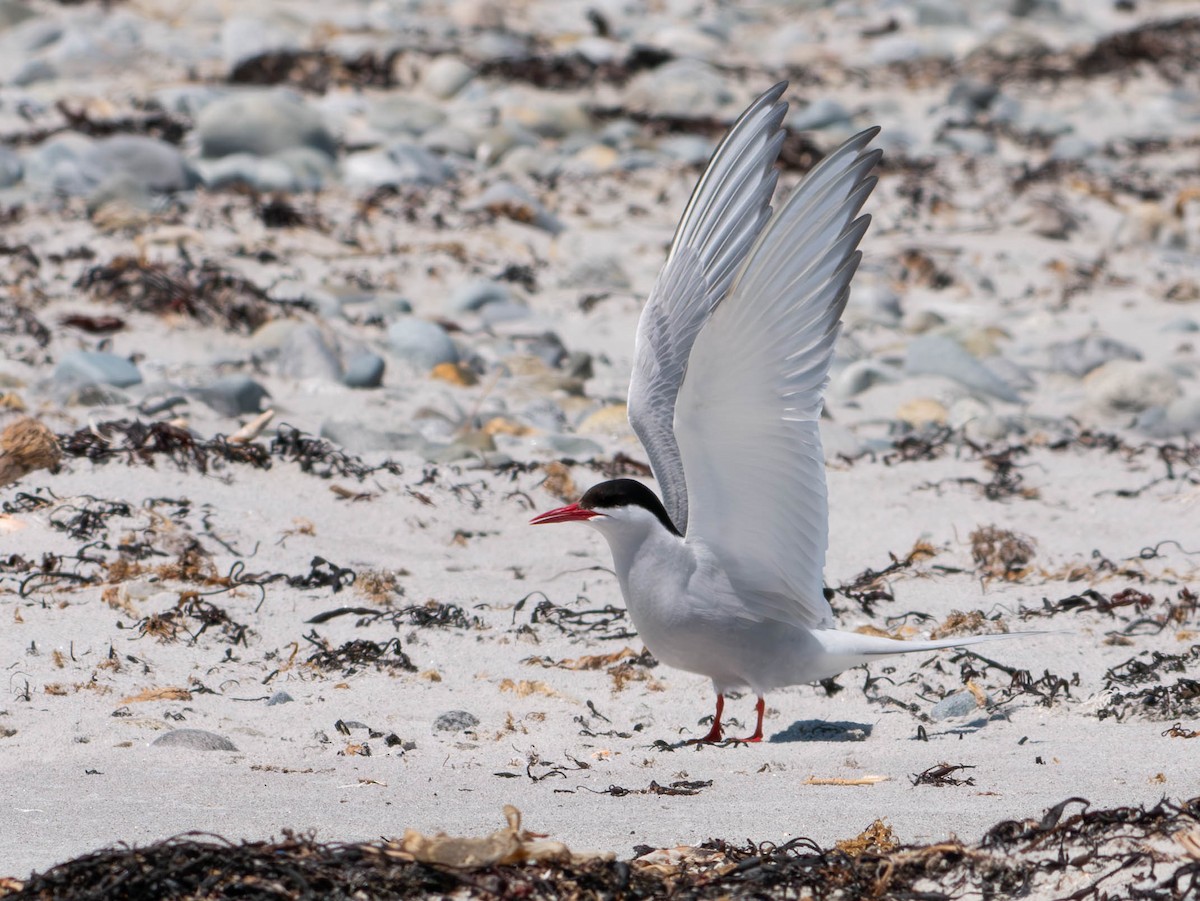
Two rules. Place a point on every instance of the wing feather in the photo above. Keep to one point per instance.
(746, 417)
(727, 210)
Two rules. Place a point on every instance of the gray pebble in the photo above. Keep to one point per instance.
(445, 76)
(63, 165)
(961, 703)
(1180, 417)
(154, 163)
(940, 355)
(1182, 324)
(233, 395)
(497, 314)
(455, 721)
(473, 296)
(261, 123)
(364, 370)
(401, 164)
(1081, 356)
(82, 366)
(280, 697)
(11, 168)
(683, 87)
(265, 174)
(1126, 386)
(421, 343)
(515, 202)
(308, 353)
(194, 740)
(821, 113)
(860, 375)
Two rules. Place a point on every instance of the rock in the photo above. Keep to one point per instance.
(364, 370)
(1081, 356)
(280, 697)
(547, 347)
(473, 296)
(454, 374)
(922, 411)
(261, 123)
(263, 174)
(63, 165)
(875, 301)
(1180, 417)
(548, 116)
(193, 740)
(455, 721)
(309, 353)
(420, 343)
(311, 170)
(514, 202)
(449, 139)
(120, 188)
(12, 170)
(860, 375)
(821, 113)
(83, 366)
(599, 273)
(940, 13)
(691, 150)
(961, 703)
(684, 87)
(1124, 386)
(1073, 147)
(401, 164)
(445, 76)
(940, 355)
(233, 395)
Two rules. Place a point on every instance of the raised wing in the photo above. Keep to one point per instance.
(726, 212)
(746, 414)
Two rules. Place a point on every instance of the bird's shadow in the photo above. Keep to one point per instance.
(822, 730)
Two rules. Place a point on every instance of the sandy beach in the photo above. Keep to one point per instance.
(420, 236)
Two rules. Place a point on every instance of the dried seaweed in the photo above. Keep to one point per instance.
(1000, 553)
(679, 787)
(317, 70)
(323, 574)
(1157, 701)
(607, 623)
(17, 320)
(192, 615)
(941, 775)
(84, 519)
(431, 614)
(321, 458)
(1020, 858)
(544, 68)
(869, 587)
(208, 293)
(141, 442)
(358, 654)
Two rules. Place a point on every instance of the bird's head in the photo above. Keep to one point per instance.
(615, 505)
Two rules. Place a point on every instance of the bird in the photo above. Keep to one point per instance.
(724, 575)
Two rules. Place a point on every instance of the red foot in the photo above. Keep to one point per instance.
(758, 733)
(714, 734)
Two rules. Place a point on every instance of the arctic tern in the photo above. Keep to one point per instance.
(723, 577)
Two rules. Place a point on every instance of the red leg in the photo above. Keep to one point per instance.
(758, 708)
(714, 734)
